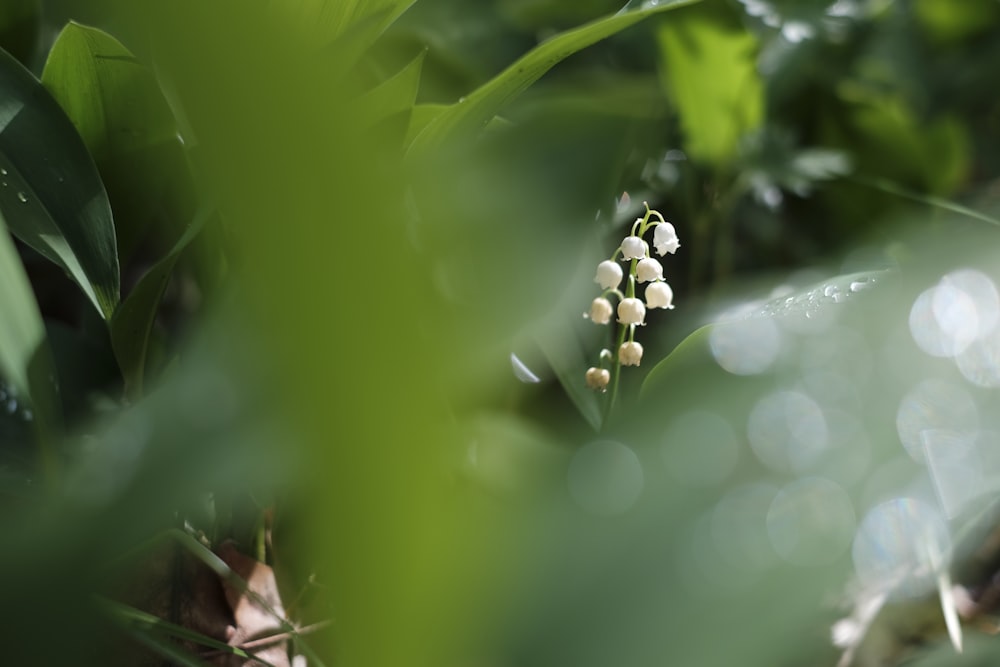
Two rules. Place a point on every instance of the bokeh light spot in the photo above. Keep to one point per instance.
(700, 448)
(747, 347)
(934, 405)
(787, 431)
(900, 545)
(739, 527)
(605, 478)
(811, 521)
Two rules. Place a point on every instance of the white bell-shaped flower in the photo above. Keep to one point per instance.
(649, 270)
(609, 274)
(600, 311)
(632, 311)
(665, 239)
(598, 378)
(630, 354)
(633, 247)
(658, 295)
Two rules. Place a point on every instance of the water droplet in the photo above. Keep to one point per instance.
(22, 197)
(859, 285)
(3, 172)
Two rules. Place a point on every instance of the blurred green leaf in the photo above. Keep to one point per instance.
(21, 328)
(691, 360)
(711, 74)
(116, 105)
(475, 111)
(50, 193)
(929, 154)
(19, 27)
(568, 359)
(396, 94)
(25, 359)
(133, 321)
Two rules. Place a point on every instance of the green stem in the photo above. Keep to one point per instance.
(616, 370)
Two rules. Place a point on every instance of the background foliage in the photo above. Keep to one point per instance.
(269, 263)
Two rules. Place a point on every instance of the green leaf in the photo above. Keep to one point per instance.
(396, 94)
(116, 105)
(133, 321)
(21, 328)
(691, 361)
(25, 358)
(474, 112)
(568, 359)
(710, 72)
(51, 196)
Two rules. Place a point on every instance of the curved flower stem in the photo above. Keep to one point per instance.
(622, 328)
(615, 372)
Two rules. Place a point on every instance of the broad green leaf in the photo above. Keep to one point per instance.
(691, 361)
(21, 328)
(133, 321)
(51, 196)
(116, 105)
(474, 112)
(710, 72)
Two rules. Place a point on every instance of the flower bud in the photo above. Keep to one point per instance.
(665, 239)
(634, 247)
(649, 270)
(630, 354)
(598, 378)
(600, 311)
(658, 295)
(609, 274)
(632, 311)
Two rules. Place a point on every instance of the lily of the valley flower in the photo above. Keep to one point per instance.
(609, 274)
(658, 295)
(665, 239)
(600, 311)
(633, 247)
(632, 311)
(598, 378)
(649, 270)
(641, 268)
(630, 353)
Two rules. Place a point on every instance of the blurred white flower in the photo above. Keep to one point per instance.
(658, 295)
(665, 239)
(634, 247)
(598, 378)
(632, 311)
(609, 274)
(630, 354)
(600, 311)
(649, 270)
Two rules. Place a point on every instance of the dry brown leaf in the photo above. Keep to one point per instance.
(257, 612)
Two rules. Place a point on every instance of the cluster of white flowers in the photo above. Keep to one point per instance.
(632, 310)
